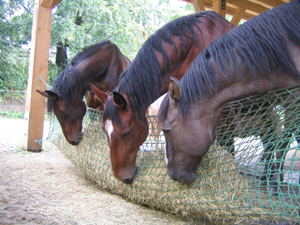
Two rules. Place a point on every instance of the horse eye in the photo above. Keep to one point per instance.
(125, 134)
(66, 115)
(166, 131)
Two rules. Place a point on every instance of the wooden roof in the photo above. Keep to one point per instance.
(238, 9)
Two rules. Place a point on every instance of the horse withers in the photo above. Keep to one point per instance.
(261, 55)
(100, 64)
(168, 52)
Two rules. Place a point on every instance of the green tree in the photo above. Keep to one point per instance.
(15, 30)
(79, 23)
(127, 22)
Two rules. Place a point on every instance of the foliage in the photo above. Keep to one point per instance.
(13, 75)
(128, 23)
(79, 23)
(11, 114)
(53, 71)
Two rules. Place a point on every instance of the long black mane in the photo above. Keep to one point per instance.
(70, 80)
(142, 80)
(261, 44)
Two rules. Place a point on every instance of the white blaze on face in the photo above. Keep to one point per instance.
(166, 158)
(109, 129)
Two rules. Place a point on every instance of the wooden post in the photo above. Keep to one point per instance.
(198, 5)
(239, 13)
(219, 6)
(35, 103)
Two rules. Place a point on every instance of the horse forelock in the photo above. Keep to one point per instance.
(163, 109)
(111, 112)
(142, 81)
(67, 85)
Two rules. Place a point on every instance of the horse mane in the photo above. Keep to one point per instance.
(66, 85)
(260, 44)
(142, 80)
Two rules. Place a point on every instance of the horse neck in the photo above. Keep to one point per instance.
(238, 87)
(94, 66)
(193, 48)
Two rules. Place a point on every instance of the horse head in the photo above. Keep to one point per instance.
(69, 115)
(187, 140)
(125, 133)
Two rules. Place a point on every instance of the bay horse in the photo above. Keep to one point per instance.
(261, 55)
(92, 101)
(100, 64)
(168, 52)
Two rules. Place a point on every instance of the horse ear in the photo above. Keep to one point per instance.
(119, 100)
(102, 96)
(43, 93)
(52, 95)
(174, 89)
(48, 94)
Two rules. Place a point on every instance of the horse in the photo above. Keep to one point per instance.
(101, 64)
(261, 55)
(92, 101)
(168, 52)
(152, 111)
(254, 118)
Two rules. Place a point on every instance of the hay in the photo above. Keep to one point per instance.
(220, 192)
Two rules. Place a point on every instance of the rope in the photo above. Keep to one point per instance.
(39, 141)
(48, 87)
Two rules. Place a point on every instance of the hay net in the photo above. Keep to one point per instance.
(228, 184)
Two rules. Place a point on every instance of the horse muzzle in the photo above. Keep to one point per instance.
(182, 177)
(130, 180)
(78, 139)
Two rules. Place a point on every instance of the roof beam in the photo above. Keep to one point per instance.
(219, 6)
(198, 5)
(268, 3)
(236, 18)
(50, 4)
(253, 7)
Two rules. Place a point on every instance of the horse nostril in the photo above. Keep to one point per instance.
(74, 143)
(130, 180)
(127, 181)
(80, 136)
(188, 178)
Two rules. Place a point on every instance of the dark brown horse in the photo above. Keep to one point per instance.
(261, 55)
(168, 52)
(100, 64)
(92, 101)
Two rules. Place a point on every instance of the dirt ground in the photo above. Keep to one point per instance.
(46, 188)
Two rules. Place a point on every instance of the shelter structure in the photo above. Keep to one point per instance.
(41, 33)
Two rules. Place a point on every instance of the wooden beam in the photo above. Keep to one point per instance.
(219, 6)
(198, 5)
(236, 18)
(253, 7)
(50, 4)
(35, 103)
(268, 3)
(256, 8)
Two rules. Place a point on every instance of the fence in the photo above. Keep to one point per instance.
(12, 103)
(228, 185)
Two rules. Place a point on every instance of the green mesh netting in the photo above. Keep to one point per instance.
(229, 184)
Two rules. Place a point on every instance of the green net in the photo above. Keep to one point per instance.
(252, 133)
